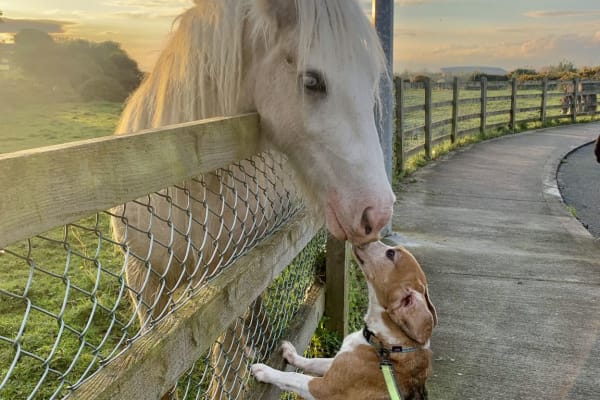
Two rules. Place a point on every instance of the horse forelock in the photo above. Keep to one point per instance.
(338, 33)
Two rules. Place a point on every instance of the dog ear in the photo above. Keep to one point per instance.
(597, 149)
(431, 307)
(283, 13)
(412, 313)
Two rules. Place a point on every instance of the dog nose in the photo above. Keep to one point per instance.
(372, 222)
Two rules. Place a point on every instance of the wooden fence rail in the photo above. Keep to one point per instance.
(521, 102)
(52, 186)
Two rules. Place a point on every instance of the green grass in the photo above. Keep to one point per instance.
(44, 124)
(50, 285)
(33, 284)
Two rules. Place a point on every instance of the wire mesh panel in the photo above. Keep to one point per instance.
(73, 298)
(223, 373)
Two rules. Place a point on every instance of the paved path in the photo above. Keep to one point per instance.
(515, 278)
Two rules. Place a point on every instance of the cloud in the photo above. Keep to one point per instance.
(561, 13)
(44, 25)
(148, 9)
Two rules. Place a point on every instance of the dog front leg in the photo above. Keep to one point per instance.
(316, 366)
(287, 381)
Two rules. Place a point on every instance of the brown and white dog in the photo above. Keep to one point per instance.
(399, 320)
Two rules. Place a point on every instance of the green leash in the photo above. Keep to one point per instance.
(390, 380)
(385, 364)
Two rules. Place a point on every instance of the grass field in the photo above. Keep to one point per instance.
(46, 124)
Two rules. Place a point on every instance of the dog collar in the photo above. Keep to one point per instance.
(374, 341)
(385, 364)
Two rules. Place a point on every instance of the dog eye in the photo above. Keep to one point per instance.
(313, 81)
(390, 254)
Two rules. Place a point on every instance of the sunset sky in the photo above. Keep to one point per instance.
(429, 34)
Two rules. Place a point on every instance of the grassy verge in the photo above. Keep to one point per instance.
(54, 123)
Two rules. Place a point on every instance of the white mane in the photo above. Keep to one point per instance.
(199, 73)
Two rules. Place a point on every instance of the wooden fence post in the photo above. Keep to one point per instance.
(513, 105)
(454, 110)
(336, 287)
(575, 99)
(483, 118)
(428, 133)
(399, 142)
(544, 100)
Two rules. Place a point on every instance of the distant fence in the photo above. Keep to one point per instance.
(430, 113)
(67, 327)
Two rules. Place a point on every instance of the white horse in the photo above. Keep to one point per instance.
(311, 69)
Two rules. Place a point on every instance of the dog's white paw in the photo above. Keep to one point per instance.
(262, 372)
(288, 352)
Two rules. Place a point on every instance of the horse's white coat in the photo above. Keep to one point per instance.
(232, 56)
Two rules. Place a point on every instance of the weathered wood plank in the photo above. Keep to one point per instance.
(338, 285)
(498, 112)
(428, 118)
(499, 98)
(443, 122)
(418, 107)
(51, 186)
(467, 117)
(483, 120)
(544, 105)
(474, 100)
(455, 94)
(513, 105)
(414, 131)
(528, 109)
(441, 104)
(153, 363)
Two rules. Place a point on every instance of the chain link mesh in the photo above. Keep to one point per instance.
(74, 298)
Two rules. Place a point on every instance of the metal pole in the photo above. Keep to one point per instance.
(383, 13)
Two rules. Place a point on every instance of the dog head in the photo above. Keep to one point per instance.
(399, 287)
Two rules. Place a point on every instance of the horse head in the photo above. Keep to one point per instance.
(314, 78)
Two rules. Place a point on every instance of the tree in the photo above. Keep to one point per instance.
(34, 51)
(102, 69)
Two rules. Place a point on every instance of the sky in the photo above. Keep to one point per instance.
(428, 34)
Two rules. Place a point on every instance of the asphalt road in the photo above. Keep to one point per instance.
(579, 185)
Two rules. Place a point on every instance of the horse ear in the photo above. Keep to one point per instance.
(284, 13)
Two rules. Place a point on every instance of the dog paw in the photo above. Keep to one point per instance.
(288, 352)
(261, 372)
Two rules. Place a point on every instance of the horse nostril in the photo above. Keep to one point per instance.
(365, 221)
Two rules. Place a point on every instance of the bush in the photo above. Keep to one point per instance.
(102, 88)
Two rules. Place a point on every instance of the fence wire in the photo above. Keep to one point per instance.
(74, 298)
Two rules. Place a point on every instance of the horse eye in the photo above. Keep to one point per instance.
(390, 254)
(314, 82)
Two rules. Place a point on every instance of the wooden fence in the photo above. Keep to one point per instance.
(53, 186)
(429, 114)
